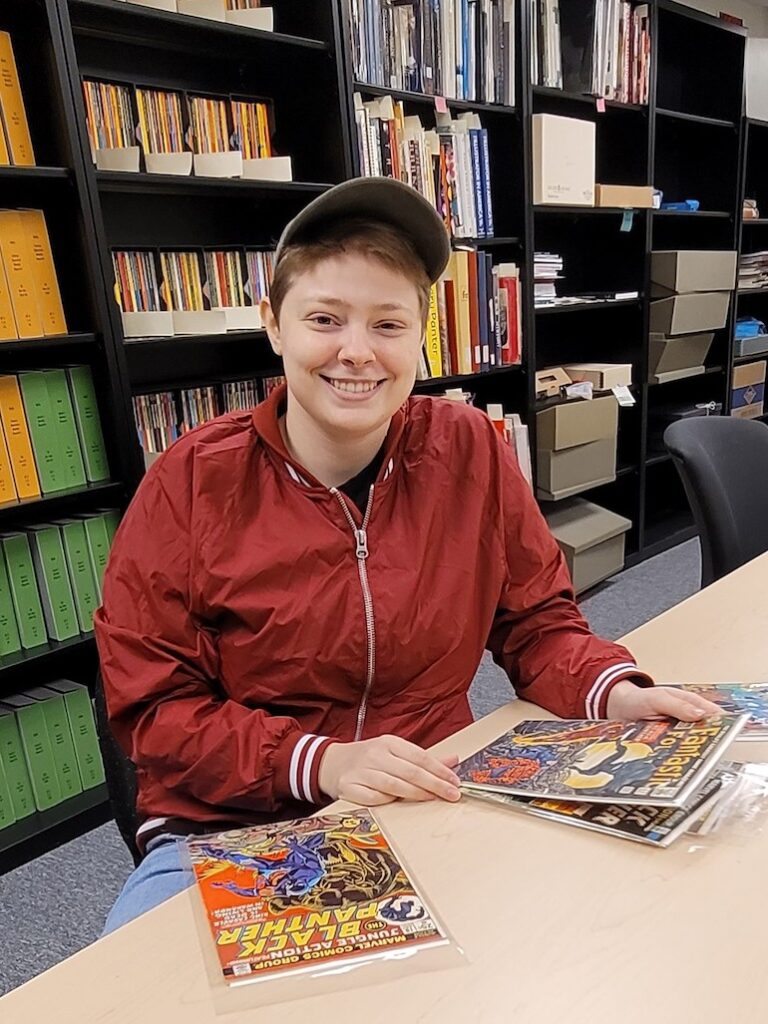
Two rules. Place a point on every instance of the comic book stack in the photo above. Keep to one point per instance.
(648, 781)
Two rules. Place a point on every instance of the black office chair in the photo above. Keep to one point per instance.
(121, 775)
(723, 463)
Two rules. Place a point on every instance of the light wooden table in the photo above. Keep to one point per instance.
(559, 926)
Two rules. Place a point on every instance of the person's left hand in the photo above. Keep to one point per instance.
(630, 702)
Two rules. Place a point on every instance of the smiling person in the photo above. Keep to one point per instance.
(299, 596)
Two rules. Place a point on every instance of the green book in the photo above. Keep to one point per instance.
(86, 409)
(98, 541)
(10, 641)
(15, 765)
(80, 573)
(60, 734)
(56, 594)
(77, 701)
(111, 517)
(7, 815)
(38, 752)
(66, 430)
(42, 431)
(26, 598)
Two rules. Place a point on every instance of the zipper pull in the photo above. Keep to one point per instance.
(361, 537)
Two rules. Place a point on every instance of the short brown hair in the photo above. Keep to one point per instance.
(376, 239)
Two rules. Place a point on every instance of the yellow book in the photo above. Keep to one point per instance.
(18, 270)
(460, 274)
(12, 107)
(433, 336)
(43, 271)
(5, 156)
(8, 330)
(14, 423)
(7, 486)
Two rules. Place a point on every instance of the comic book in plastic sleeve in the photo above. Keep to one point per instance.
(737, 698)
(302, 895)
(655, 826)
(654, 762)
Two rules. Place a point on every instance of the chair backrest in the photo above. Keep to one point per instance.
(723, 463)
(121, 775)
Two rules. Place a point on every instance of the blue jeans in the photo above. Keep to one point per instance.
(159, 876)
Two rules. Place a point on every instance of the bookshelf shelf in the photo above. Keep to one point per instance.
(463, 378)
(180, 184)
(751, 291)
(582, 306)
(754, 222)
(712, 122)
(722, 214)
(53, 343)
(425, 98)
(49, 829)
(587, 210)
(37, 656)
(123, 21)
(34, 174)
(738, 360)
(158, 345)
(486, 243)
(671, 383)
(60, 501)
(545, 92)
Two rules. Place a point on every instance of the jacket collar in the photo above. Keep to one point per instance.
(265, 422)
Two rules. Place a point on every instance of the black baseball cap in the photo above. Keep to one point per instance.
(383, 199)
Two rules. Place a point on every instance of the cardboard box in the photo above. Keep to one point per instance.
(689, 314)
(574, 423)
(750, 346)
(688, 371)
(675, 271)
(602, 376)
(568, 471)
(591, 538)
(549, 382)
(748, 390)
(563, 161)
(672, 355)
(638, 197)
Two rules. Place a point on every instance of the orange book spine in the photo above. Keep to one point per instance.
(18, 270)
(5, 156)
(8, 330)
(7, 486)
(12, 107)
(43, 271)
(14, 424)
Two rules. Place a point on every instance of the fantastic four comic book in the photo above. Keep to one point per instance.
(738, 698)
(307, 894)
(654, 762)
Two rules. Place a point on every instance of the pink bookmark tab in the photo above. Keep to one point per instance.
(600, 105)
(440, 105)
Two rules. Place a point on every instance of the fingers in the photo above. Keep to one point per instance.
(687, 707)
(422, 759)
(367, 797)
(450, 761)
(418, 785)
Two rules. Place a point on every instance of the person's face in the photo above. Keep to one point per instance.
(350, 335)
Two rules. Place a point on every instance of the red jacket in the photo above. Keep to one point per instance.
(248, 616)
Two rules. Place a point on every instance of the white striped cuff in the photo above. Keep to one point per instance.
(300, 770)
(609, 675)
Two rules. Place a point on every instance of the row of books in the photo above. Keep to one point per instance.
(15, 140)
(49, 749)
(448, 164)
(460, 49)
(152, 280)
(30, 300)
(511, 427)
(599, 47)
(474, 321)
(50, 437)
(164, 416)
(164, 121)
(50, 579)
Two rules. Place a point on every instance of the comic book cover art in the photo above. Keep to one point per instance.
(655, 826)
(738, 698)
(301, 895)
(655, 762)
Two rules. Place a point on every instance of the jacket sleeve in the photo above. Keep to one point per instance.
(159, 666)
(539, 636)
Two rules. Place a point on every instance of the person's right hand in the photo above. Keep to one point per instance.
(384, 769)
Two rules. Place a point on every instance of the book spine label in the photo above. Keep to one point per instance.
(7, 815)
(14, 423)
(433, 336)
(15, 767)
(50, 468)
(86, 411)
(62, 746)
(12, 107)
(53, 580)
(80, 574)
(38, 754)
(26, 599)
(477, 182)
(10, 642)
(83, 727)
(43, 271)
(66, 429)
(485, 167)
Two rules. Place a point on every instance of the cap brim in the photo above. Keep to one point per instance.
(383, 199)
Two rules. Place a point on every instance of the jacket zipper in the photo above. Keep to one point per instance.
(361, 552)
